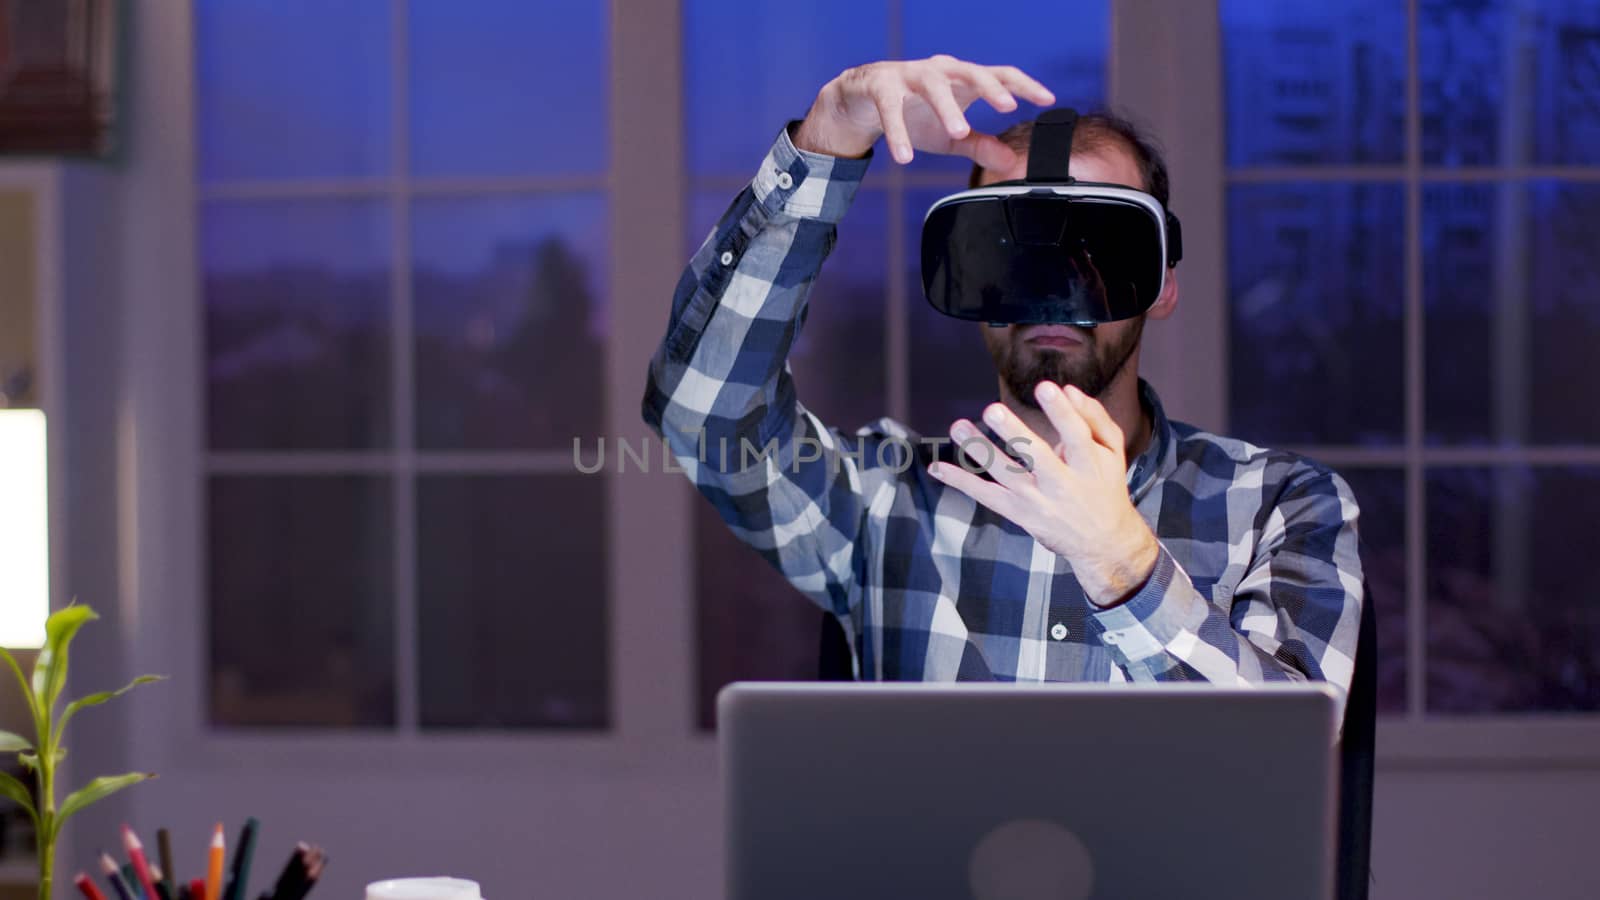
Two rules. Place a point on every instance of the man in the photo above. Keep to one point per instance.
(1108, 544)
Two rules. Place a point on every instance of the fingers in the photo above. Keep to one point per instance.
(996, 497)
(986, 150)
(988, 86)
(1023, 85)
(935, 88)
(1007, 495)
(947, 86)
(1074, 433)
(891, 113)
(1017, 434)
(992, 459)
(996, 84)
(1105, 429)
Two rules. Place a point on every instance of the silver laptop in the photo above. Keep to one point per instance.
(1017, 792)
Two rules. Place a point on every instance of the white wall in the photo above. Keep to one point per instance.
(1480, 834)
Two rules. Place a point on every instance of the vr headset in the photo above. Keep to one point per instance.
(1048, 248)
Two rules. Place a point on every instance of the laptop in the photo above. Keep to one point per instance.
(1016, 792)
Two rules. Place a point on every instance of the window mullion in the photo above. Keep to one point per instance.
(649, 535)
(1166, 69)
(1416, 494)
(403, 484)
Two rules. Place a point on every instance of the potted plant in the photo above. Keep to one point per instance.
(43, 753)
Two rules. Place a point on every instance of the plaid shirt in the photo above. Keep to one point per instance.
(1258, 576)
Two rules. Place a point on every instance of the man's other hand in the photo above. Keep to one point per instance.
(1074, 500)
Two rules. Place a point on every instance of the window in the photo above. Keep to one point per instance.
(405, 319)
(871, 346)
(408, 314)
(1412, 301)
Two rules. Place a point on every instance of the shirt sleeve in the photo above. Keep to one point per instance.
(719, 390)
(1295, 614)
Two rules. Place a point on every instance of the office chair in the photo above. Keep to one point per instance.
(1354, 839)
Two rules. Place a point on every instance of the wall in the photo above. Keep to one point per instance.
(541, 822)
(1485, 833)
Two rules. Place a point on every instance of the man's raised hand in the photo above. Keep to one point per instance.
(917, 104)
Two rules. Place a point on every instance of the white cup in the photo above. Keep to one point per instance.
(424, 889)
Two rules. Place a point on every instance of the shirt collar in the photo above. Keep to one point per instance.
(1144, 468)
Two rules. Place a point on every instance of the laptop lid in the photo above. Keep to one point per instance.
(1011, 792)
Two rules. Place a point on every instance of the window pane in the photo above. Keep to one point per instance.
(1509, 82)
(1314, 83)
(752, 624)
(511, 601)
(838, 358)
(1315, 276)
(507, 87)
(510, 320)
(301, 601)
(297, 324)
(751, 67)
(1507, 630)
(1063, 46)
(1381, 493)
(1511, 280)
(292, 88)
(726, 93)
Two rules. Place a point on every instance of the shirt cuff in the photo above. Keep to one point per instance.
(801, 183)
(1147, 623)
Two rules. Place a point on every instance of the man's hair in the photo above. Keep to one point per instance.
(1096, 132)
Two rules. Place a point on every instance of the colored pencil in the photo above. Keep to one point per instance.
(316, 862)
(113, 875)
(293, 871)
(141, 865)
(214, 867)
(239, 872)
(87, 887)
(169, 874)
(302, 875)
(132, 878)
(196, 889)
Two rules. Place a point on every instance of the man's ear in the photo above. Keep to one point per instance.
(1167, 303)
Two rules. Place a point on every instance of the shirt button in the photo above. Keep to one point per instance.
(727, 257)
(1058, 631)
(785, 180)
(1109, 637)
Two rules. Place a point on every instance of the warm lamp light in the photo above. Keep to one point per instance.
(24, 529)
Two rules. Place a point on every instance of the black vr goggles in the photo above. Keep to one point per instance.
(1048, 248)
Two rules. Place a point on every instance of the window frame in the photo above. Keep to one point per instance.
(402, 463)
(1177, 89)
(1417, 738)
(645, 734)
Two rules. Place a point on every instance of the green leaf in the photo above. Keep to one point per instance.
(50, 670)
(30, 761)
(18, 792)
(12, 743)
(93, 792)
(99, 698)
(22, 681)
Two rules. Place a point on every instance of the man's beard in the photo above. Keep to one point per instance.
(1022, 367)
